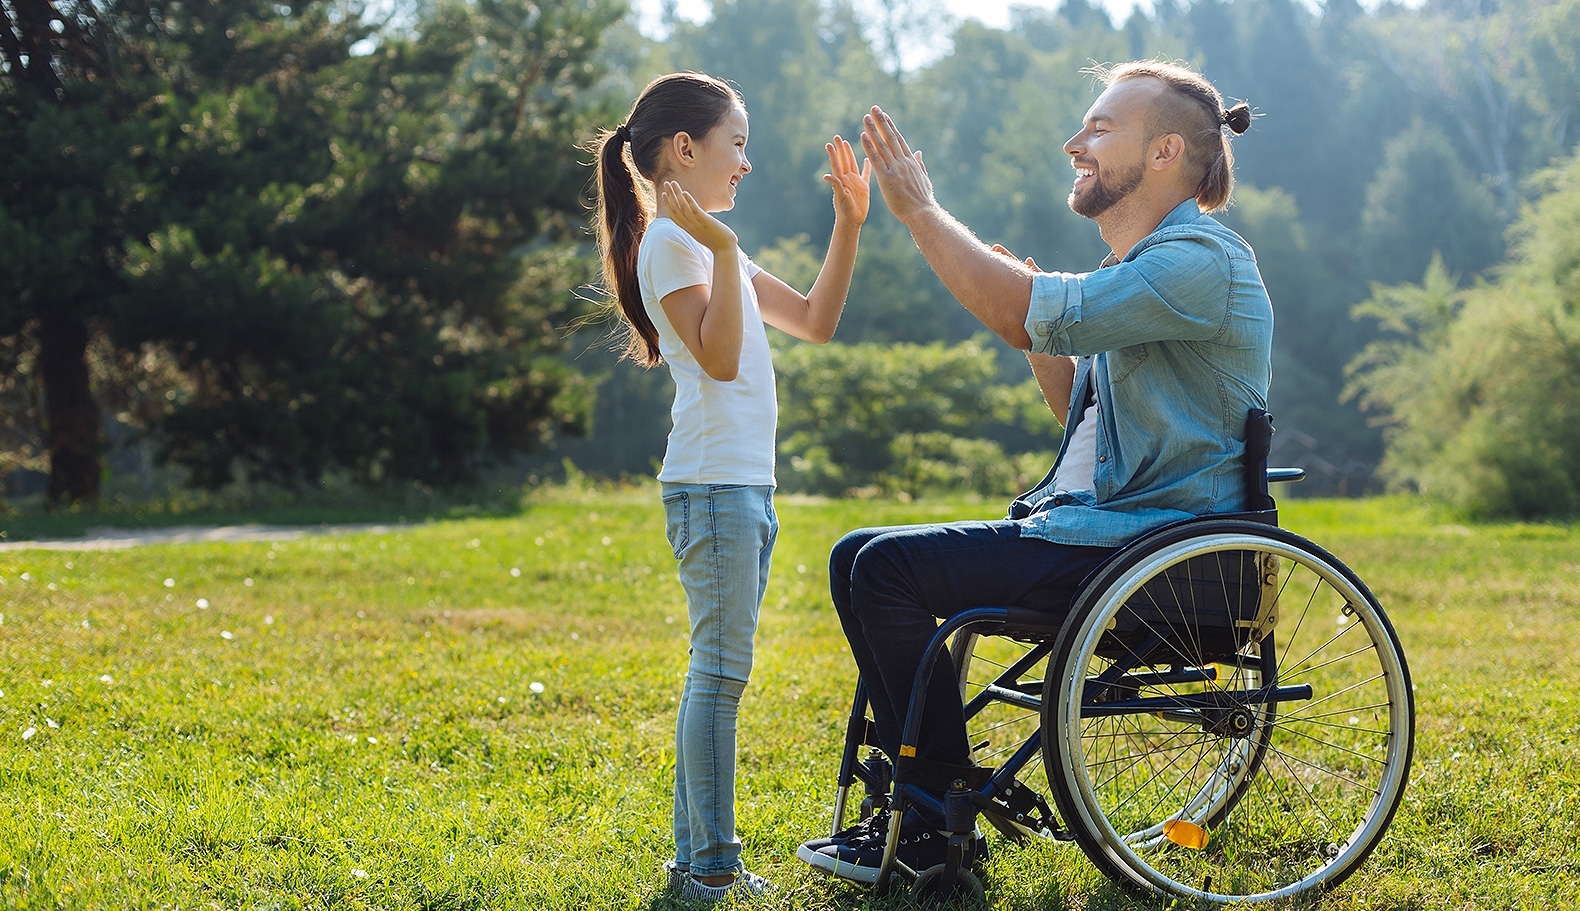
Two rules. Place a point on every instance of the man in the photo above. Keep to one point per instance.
(1151, 362)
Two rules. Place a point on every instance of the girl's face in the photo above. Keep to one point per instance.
(717, 163)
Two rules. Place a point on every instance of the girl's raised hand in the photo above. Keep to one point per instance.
(1002, 250)
(684, 211)
(852, 187)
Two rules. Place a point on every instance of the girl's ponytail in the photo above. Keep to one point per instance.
(689, 103)
(622, 220)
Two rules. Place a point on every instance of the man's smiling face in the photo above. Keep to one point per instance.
(1109, 153)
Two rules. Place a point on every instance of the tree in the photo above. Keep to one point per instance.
(900, 28)
(1286, 78)
(1502, 78)
(20, 441)
(343, 251)
(1425, 201)
(61, 124)
(1479, 388)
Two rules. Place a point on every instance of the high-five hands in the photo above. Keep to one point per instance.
(902, 177)
(852, 188)
(684, 211)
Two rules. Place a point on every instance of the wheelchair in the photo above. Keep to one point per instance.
(1224, 714)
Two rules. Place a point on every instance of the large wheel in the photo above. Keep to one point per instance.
(1001, 684)
(1230, 716)
(999, 724)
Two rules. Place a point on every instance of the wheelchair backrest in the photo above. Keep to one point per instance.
(1258, 442)
(1213, 601)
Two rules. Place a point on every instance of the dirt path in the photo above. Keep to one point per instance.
(122, 538)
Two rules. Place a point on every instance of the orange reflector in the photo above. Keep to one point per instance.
(907, 751)
(1185, 834)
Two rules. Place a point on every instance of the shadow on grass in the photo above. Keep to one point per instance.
(837, 895)
(824, 894)
(1110, 896)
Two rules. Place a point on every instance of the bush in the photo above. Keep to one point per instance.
(906, 419)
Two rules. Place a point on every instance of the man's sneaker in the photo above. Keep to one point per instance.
(876, 824)
(746, 885)
(921, 846)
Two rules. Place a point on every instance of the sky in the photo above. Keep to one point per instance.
(990, 12)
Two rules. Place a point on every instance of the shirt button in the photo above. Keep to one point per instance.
(1102, 458)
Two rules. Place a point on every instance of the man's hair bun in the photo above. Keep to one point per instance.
(1238, 118)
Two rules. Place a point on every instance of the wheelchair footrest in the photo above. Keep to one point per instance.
(1019, 811)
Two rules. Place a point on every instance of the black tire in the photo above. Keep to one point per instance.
(966, 893)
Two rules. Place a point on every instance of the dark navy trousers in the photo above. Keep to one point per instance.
(892, 585)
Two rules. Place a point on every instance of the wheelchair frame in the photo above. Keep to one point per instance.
(1279, 778)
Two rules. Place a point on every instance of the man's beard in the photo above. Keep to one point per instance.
(1102, 196)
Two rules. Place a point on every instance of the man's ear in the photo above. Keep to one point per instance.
(1167, 151)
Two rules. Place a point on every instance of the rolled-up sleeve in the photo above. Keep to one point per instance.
(1173, 290)
(1055, 307)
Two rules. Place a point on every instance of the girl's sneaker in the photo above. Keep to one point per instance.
(677, 875)
(746, 885)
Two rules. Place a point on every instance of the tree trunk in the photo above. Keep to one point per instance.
(72, 432)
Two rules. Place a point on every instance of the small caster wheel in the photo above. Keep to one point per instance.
(965, 892)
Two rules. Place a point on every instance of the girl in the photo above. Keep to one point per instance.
(689, 296)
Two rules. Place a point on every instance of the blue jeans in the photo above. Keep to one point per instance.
(723, 535)
(890, 587)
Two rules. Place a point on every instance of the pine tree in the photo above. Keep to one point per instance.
(339, 233)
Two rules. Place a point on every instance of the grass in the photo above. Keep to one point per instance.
(478, 713)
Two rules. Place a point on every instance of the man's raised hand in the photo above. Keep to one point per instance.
(902, 178)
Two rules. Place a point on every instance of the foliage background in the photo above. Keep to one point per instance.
(1389, 139)
(1482, 381)
(388, 282)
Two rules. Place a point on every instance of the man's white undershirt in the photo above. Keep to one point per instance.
(1078, 471)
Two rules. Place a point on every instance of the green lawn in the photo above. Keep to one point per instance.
(478, 713)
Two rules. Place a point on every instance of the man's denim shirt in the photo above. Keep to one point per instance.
(1179, 336)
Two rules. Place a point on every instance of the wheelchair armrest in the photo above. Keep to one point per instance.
(1276, 475)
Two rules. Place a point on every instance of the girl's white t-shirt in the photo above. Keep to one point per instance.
(724, 432)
